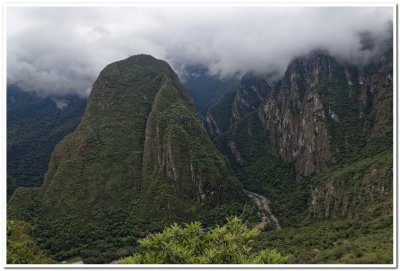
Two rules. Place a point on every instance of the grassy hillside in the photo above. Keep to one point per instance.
(336, 241)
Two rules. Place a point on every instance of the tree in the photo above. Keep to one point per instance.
(191, 244)
(21, 249)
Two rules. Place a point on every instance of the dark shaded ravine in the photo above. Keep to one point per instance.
(267, 217)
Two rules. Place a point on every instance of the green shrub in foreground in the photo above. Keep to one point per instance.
(191, 244)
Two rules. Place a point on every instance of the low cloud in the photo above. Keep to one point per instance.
(57, 51)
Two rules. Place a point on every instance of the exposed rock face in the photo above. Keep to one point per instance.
(212, 125)
(356, 190)
(320, 112)
(176, 146)
(364, 188)
(378, 80)
(250, 94)
(330, 120)
(295, 116)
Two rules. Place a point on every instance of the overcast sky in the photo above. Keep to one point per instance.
(61, 50)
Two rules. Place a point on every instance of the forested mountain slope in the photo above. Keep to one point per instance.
(34, 126)
(139, 160)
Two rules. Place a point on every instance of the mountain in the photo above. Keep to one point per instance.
(139, 160)
(318, 143)
(34, 126)
(320, 113)
(319, 106)
(204, 88)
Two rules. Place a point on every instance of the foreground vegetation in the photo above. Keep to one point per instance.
(21, 249)
(191, 244)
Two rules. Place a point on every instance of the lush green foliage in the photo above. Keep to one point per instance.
(271, 177)
(191, 244)
(358, 189)
(354, 241)
(34, 126)
(360, 223)
(21, 249)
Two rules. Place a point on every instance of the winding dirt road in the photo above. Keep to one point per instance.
(267, 217)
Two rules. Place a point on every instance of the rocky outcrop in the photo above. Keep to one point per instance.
(175, 145)
(212, 125)
(250, 94)
(360, 189)
(320, 112)
(295, 115)
(378, 80)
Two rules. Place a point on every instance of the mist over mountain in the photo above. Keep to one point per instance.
(204, 87)
(58, 51)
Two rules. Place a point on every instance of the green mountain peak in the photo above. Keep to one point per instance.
(139, 159)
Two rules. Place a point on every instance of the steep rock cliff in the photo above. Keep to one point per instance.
(250, 94)
(295, 117)
(321, 112)
(361, 189)
(327, 119)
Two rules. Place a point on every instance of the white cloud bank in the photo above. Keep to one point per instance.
(61, 50)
